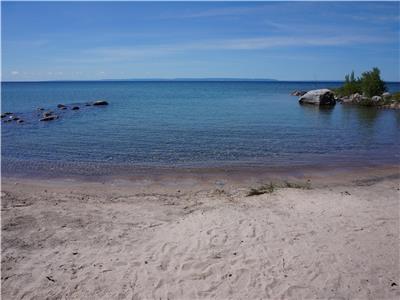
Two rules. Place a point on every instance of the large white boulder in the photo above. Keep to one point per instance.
(318, 97)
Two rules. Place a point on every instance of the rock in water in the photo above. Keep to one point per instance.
(100, 102)
(318, 97)
(61, 106)
(75, 108)
(298, 93)
(47, 114)
(49, 118)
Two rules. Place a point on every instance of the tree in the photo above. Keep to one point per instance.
(351, 85)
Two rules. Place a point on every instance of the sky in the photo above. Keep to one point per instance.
(121, 40)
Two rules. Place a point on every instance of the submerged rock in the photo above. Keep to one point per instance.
(75, 108)
(49, 118)
(40, 108)
(318, 97)
(20, 121)
(47, 114)
(100, 102)
(61, 106)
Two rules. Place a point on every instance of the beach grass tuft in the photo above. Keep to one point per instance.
(271, 187)
(264, 189)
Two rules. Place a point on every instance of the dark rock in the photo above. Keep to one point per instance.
(14, 118)
(20, 121)
(40, 108)
(47, 114)
(64, 107)
(100, 102)
(49, 118)
(3, 116)
(61, 106)
(318, 97)
(75, 108)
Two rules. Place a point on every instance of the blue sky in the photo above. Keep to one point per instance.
(280, 40)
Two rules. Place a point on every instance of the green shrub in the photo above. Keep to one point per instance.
(370, 84)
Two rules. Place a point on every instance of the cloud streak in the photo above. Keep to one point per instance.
(124, 53)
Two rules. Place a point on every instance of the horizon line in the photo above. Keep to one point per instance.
(181, 79)
(194, 79)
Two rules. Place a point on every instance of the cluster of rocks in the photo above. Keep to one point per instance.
(382, 101)
(9, 117)
(326, 97)
(50, 115)
(358, 98)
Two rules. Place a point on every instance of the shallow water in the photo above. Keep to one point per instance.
(191, 124)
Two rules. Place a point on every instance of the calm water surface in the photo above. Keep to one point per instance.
(191, 124)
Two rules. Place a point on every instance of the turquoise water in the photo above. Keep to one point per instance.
(205, 124)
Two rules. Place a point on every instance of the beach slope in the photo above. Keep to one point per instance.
(108, 241)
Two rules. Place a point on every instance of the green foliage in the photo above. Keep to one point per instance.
(370, 84)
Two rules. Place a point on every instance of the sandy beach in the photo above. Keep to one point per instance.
(332, 237)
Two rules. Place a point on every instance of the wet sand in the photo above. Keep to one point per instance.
(199, 236)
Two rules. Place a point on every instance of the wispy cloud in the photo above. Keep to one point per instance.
(214, 12)
(112, 54)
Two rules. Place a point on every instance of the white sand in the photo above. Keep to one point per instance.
(122, 241)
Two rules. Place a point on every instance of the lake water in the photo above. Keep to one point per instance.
(190, 124)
